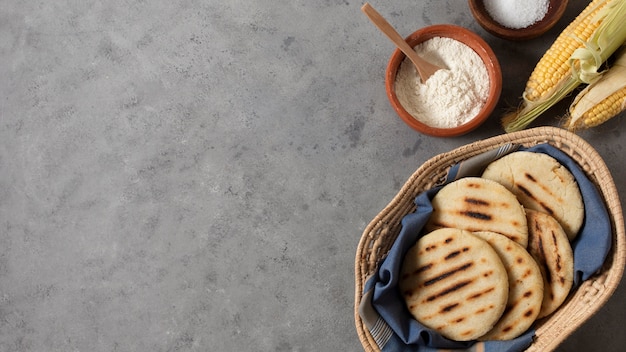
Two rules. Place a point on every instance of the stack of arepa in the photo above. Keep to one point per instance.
(496, 254)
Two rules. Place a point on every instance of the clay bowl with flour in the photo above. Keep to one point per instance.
(471, 40)
(512, 31)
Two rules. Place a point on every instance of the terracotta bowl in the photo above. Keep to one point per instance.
(556, 8)
(470, 39)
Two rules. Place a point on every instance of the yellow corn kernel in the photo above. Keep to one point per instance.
(554, 66)
(605, 110)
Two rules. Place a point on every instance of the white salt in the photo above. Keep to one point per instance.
(516, 14)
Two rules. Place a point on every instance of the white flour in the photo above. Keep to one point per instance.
(450, 97)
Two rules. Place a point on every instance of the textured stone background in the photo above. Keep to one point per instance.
(195, 175)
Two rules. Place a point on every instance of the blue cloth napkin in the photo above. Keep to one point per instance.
(382, 307)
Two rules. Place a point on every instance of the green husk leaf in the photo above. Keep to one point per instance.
(587, 61)
(611, 81)
(519, 120)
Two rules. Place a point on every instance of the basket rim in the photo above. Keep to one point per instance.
(588, 298)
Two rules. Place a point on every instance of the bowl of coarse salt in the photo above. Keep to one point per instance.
(454, 100)
(517, 20)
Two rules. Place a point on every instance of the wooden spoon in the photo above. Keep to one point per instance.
(424, 68)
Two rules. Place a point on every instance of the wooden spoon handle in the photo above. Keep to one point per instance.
(424, 68)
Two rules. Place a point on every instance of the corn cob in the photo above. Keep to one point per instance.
(554, 66)
(600, 100)
(574, 58)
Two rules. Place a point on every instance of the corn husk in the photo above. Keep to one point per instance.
(611, 81)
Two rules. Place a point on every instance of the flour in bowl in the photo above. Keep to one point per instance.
(450, 97)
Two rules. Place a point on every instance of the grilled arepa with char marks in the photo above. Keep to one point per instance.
(525, 288)
(455, 283)
(549, 245)
(478, 204)
(541, 183)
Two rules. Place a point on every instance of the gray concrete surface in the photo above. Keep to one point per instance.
(195, 175)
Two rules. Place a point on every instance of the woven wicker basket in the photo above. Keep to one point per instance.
(381, 232)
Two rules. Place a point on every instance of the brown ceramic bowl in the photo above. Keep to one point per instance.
(556, 8)
(470, 39)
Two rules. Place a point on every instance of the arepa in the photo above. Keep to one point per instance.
(455, 283)
(525, 288)
(550, 247)
(478, 204)
(541, 183)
